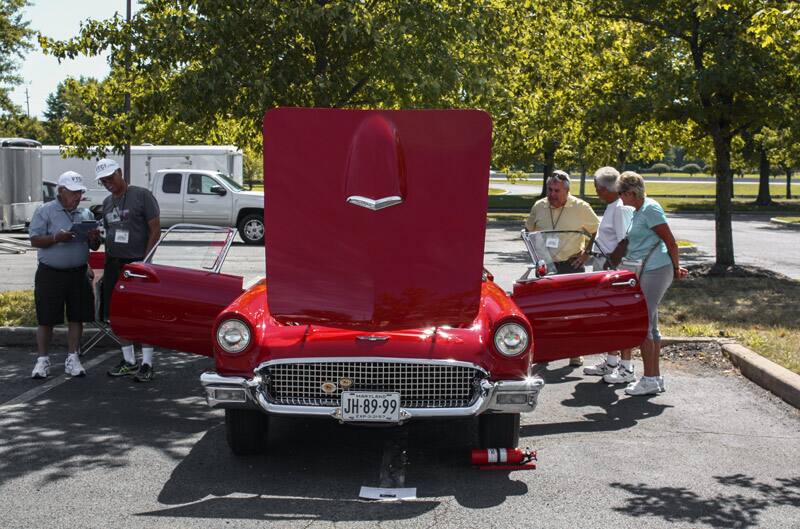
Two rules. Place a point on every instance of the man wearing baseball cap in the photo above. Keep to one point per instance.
(131, 217)
(62, 277)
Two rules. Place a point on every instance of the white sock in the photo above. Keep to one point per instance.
(627, 364)
(70, 354)
(43, 358)
(147, 355)
(612, 360)
(127, 353)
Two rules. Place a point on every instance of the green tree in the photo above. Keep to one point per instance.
(207, 66)
(19, 125)
(14, 40)
(68, 104)
(783, 146)
(707, 66)
(659, 168)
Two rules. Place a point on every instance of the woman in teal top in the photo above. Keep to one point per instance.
(650, 241)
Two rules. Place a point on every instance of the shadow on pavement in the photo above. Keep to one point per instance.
(679, 505)
(619, 411)
(93, 422)
(314, 469)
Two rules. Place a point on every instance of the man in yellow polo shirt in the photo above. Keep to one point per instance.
(563, 212)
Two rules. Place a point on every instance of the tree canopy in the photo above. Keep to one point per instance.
(14, 40)
(573, 83)
(207, 68)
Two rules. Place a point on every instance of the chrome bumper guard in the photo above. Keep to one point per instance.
(502, 396)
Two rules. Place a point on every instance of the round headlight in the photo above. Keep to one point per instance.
(511, 339)
(233, 336)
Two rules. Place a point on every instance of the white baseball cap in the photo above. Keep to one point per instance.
(105, 167)
(72, 181)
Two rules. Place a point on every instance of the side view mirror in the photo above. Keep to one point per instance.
(219, 190)
(541, 268)
(97, 211)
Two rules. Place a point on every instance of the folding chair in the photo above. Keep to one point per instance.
(103, 329)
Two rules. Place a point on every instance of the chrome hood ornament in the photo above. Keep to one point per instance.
(374, 204)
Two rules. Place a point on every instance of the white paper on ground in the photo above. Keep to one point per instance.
(384, 494)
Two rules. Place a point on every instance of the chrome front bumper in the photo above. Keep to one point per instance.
(502, 396)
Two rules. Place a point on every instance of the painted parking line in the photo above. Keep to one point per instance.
(55, 382)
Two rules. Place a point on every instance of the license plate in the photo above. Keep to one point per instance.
(362, 406)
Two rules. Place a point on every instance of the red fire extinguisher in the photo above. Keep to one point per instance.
(504, 458)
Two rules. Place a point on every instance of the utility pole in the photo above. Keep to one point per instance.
(127, 160)
(27, 101)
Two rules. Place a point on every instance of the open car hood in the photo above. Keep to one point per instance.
(375, 220)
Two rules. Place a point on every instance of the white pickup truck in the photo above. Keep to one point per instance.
(208, 197)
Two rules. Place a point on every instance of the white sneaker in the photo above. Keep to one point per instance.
(73, 367)
(644, 386)
(620, 375)
(601, 368)
(662, 387)
(42, 368)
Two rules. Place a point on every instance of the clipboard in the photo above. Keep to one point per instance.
(82, 229)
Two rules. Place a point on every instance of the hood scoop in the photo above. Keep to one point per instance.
(375, 220)
(375, 175)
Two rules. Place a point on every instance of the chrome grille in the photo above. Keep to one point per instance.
(421, 385)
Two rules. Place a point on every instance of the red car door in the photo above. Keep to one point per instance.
(171, 307)
(575, 314)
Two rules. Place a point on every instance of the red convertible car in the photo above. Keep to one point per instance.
(376, 308)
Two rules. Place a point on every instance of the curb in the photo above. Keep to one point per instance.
(785, 223)
(765, 373)
(26, 337)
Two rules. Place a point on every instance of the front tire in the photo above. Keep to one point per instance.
(251, 228)
(246, 431)
(499, 430)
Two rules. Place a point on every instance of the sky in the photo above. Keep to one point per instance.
(59, 19)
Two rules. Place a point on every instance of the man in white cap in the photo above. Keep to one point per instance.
(62, 277)
(132, 221)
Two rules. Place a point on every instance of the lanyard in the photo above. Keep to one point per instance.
(120, 206)
(555, 223)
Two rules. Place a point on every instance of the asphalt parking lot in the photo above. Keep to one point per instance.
(713, 451)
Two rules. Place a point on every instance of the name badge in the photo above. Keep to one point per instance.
(113, 216)
(121, 236)
(552, 241)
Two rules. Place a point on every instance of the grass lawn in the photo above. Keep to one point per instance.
(670, 205)
(496, 191)
(761, 313)
(16, 309)
(662, 189)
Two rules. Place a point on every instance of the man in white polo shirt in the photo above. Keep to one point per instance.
(613, 228)
(62, 278)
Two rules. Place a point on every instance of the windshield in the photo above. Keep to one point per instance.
(551, 247)
(230, 182)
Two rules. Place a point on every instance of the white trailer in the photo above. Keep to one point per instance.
(145, 161)
(20, 182)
